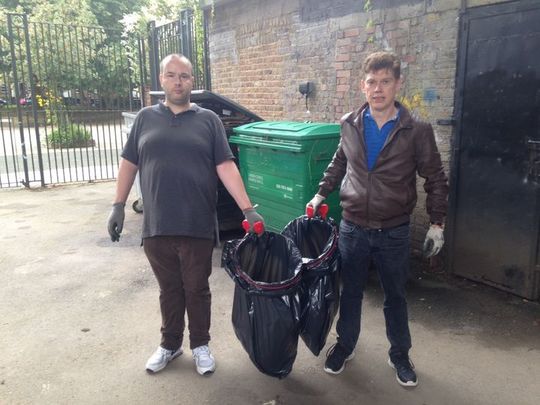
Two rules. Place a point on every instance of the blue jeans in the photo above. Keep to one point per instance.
(389, 249)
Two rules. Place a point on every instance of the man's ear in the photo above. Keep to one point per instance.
(401, 80)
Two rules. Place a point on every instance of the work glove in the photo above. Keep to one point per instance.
(253, 218)
(434, 240)
(315, 202)
(115, 223)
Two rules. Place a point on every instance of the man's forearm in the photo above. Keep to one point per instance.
(230, 177)
(126, 176)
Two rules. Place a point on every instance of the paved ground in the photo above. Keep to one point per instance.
(80, 316)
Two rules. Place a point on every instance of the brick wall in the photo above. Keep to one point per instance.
(260, 52)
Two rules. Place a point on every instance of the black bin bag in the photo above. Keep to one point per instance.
(266, 270)
(317, 240)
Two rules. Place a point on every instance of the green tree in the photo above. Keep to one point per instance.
(109, 13)
(104, 13)
(18, 6)
(89, 44)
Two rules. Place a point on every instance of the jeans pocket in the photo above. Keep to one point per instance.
(347, 228)
(400, 232)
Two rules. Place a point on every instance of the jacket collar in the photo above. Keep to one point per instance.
(405, 120)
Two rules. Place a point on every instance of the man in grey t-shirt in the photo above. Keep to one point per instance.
(180, 151)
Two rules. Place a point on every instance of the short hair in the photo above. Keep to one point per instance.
(382, 60)
(167, 58)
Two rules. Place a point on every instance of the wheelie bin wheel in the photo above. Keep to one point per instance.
(137, 206)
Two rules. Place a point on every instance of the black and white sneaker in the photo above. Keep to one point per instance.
(405, 374)
(336, 357)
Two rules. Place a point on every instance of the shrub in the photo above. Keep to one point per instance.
(70, 136)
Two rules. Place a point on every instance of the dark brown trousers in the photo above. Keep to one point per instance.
(182, 266)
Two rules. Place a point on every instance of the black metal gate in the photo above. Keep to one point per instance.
(186, 36)
(495, 205)
(63, 89)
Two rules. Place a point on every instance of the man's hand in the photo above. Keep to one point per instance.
(315, 202)
(254, 217)
(434, 240)
(115, 223)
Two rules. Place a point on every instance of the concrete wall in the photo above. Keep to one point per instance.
(261, 51)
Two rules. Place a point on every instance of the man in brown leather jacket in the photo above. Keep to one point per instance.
(382, 148)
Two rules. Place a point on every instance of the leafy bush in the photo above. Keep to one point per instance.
(70, 136)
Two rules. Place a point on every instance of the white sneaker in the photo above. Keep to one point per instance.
(204, 361)
(161, 358)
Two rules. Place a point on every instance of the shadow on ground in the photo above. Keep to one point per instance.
(444, 302)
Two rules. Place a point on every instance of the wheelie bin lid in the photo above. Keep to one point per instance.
(207, 96)
(289, 130)
(284, 135)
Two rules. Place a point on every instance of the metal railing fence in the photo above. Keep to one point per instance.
(62, 93)
(63, 89)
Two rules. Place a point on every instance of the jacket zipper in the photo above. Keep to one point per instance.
(367, 196)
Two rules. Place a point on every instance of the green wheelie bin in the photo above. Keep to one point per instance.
(281, 164)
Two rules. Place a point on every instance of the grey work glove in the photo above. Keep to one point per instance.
(434, 240)
(115, 223)
(253, 217)
(315, 202)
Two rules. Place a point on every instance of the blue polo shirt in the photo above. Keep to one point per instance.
(376, 137)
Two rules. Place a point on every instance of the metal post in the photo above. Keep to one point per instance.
(34, 99)
(26, 181)
(142, 71)
(154, 56)
(186, 16)
(130, 84)
(206, 51)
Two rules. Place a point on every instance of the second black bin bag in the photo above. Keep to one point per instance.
(266, 270)
(317, 240)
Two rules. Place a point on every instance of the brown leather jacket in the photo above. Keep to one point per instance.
(386, 196)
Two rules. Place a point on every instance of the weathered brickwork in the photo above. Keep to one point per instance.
(261, 51)
(257, 84)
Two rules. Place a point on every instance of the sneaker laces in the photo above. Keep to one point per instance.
(333, 348)
(404, 362)
(201, 350)
(202, 355)
(164, 353)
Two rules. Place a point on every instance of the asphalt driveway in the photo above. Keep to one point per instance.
(80, 316)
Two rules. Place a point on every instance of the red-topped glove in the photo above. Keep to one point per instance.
(254, 221)
(315, 202)
(323, 211)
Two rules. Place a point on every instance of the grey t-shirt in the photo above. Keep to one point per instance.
(177, 157)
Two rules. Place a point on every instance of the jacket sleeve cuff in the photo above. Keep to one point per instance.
(437, 220)
(324, 192)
